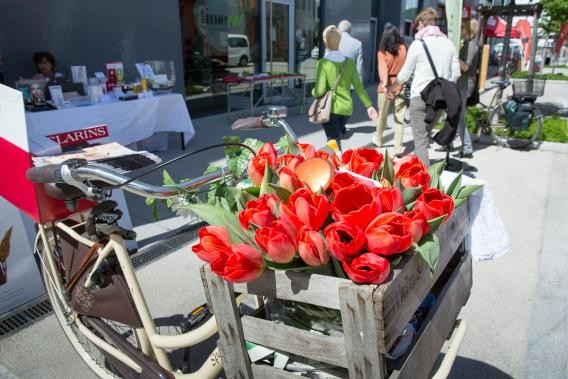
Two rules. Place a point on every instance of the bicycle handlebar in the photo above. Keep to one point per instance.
(64, 173)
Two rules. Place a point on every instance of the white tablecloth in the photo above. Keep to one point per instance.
(127, 121)
(488, 238)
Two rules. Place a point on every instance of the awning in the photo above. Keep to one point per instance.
(496, 28)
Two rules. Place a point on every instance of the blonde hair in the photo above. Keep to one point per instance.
(471, 27)
(427, 16)
(331, 37)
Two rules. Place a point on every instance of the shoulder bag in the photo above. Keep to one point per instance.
(320, 110)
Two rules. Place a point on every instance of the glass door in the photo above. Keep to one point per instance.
(278, 36)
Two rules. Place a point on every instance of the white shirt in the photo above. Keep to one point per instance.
(334, 56)
(445, 60)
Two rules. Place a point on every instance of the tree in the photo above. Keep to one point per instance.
(556, 14)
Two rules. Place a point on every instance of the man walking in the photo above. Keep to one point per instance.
(351, 48)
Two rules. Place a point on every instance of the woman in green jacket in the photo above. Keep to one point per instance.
(328, 68)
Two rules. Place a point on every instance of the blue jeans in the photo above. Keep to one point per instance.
(465, 138)
(334, 126)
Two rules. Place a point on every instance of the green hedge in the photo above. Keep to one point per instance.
(525, 74)
(554, 129)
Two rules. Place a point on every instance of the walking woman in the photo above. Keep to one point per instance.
(332, 65)
(445, 61)
(391, 56)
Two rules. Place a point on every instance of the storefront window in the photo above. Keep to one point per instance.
(220, 38)
(307, 37)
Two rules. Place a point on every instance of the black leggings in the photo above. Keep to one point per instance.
(334, 127)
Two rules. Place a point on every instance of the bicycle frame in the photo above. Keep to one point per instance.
(151, 342)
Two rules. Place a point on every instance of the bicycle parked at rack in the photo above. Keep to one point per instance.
(90, 280)
(515, 122)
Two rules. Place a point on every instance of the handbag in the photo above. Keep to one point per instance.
(320, 110)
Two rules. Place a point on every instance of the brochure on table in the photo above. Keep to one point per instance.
(20, 203)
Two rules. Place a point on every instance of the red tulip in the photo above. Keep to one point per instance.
(367, 269)
(344, 240)
(241, 263)
(356, 204)
(212, 239)
(311, 247)
(259, 212)
(419, 226)
(276, 240)
(389, 233)
(330, 157)
(342, 180)
(411, 172)
(434, 203)
(289, 180)
(391, 199)
(308, 150)
(305, 208)
(266, 155)
(362, 161)
(290, 161)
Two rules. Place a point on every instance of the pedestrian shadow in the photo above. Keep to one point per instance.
(552, 109)
(466, 368)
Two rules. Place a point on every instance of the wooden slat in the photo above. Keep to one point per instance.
(293, 340)
(396, 301)
(438, 324)
(204, 282)
(297, 286)
(361, 337)
(231, 340)
(269, 372)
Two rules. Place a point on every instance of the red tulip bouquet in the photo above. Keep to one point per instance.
(354, 220)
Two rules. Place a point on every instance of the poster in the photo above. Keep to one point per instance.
(20, 280)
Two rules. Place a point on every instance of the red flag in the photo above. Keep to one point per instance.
(561, 37)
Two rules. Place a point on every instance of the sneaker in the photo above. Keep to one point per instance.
(461, 154)
(376, 141)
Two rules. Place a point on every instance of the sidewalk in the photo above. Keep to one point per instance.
(518, 307)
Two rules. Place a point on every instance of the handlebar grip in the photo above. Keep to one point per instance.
(248, 123)
(45, 174)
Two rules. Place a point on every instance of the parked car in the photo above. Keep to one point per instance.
(238, 49)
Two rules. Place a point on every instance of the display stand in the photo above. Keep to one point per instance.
(24, 202)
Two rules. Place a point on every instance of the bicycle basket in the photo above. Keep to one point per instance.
(519, 117)
(528, 87)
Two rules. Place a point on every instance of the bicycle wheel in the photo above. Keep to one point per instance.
(499, 130)
(100, 362)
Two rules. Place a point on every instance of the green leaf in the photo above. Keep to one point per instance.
(395, 262)
(458, 202)
(168, 180)
(429, 250)
(455, 186)
(296, 263)
(282, 193)
(409, 195)
(468, 190)
(436, 222)
(387, 172)
(338, 268)
(150, 200)
(398, 184)
(435, 171)
(265, 185)
(211, 169)
(293, 147)
(215, 215)
(282, 143)
(409, 206)
(376, 176)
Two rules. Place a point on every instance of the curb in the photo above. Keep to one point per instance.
(554, 147)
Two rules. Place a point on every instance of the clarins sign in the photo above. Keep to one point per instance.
(75, 137)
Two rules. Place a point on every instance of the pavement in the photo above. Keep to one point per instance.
(518, 308)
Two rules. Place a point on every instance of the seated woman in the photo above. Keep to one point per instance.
(45, 65)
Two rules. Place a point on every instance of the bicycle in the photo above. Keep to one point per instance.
(515, 122)
(90, 280)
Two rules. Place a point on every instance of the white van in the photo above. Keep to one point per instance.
(238, 49)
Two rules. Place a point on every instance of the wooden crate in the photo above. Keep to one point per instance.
(372, 315)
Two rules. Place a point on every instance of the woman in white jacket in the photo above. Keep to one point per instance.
(446, 62)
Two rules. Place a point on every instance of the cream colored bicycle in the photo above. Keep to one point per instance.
(91, 282)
